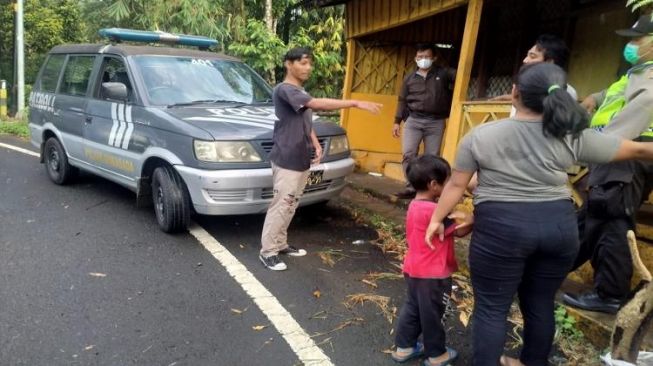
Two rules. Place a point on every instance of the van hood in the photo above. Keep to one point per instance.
(242, 122)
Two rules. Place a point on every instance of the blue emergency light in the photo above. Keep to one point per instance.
(120, 34)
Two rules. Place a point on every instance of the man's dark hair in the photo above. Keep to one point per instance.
(425, 46)
(297, 53)
(553, 48)
(542, 89)
(426, 168)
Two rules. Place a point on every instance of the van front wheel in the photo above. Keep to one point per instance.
(171, 201)
(56, 162)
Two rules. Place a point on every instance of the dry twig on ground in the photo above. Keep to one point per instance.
(382, 302)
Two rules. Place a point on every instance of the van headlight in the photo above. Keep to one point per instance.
(225, 151)
(338, 145)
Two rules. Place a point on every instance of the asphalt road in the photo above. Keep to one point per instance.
(86, 278)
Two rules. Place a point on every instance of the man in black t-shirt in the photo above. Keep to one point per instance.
(294, 139)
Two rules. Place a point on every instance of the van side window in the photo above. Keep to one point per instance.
(51, 72)
(76, 76)
(113, 70)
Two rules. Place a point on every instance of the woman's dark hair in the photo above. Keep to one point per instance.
(542, 89)
(426, 168)
(553, 48)
(297, 53)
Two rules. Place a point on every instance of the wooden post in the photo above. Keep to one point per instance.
(465, 63)
(349, 78)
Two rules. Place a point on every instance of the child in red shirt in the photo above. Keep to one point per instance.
(427, 268)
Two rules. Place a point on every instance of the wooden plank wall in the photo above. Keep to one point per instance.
(369, 16)
(381, 60)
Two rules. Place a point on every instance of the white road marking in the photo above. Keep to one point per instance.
(300, 342)
(20, 149)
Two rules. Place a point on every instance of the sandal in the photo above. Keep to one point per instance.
(418, 351)
(453, 355)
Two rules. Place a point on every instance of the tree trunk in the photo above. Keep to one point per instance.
(270, 24)
(636, 317)
(269, 19)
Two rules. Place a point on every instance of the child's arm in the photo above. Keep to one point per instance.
(465, 222)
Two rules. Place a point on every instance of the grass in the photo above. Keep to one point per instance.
(16, 127)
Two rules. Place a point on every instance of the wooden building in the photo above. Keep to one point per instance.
(485, 40)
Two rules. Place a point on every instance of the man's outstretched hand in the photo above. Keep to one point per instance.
(371, 107)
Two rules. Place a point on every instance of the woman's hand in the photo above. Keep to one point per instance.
(434, 227)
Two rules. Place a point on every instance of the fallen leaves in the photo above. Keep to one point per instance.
(331, 256)
(317, 294)
(259, 327)
(238, 311)
(382, 302)
(370, 283)
(372, 277)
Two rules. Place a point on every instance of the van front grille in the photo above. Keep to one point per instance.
(230, 195)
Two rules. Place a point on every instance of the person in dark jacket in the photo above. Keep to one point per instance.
(424, 105)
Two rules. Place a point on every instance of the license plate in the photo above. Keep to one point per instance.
(314, 177)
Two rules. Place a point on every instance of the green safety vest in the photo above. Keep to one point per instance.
(615, 101)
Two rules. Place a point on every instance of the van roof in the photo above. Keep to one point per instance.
(131, 50)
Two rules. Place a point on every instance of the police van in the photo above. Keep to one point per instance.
(185, 129)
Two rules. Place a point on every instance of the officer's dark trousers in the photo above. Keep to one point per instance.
(616, 192)
(423, 313)
(525, 249)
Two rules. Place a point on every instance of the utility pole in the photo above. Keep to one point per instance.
(20, 59)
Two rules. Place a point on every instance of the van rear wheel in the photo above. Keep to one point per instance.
(56, 162)
(171, 200)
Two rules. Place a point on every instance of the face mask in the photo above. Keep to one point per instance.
(424, 63)
(631, 53)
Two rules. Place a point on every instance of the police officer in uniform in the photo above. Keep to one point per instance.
(616, 190)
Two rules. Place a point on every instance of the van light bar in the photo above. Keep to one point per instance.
(120, 34)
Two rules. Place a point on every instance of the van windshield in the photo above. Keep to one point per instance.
(179, 80)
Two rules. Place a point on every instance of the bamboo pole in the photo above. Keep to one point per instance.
(465, 63)
(349, 78)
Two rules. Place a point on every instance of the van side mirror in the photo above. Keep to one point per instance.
(115, 91)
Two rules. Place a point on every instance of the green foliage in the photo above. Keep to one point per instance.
(237, 24)
(566, 324)
(258, 47)
(202, 17)
(47, 23)
(324, 37)
(15, 127)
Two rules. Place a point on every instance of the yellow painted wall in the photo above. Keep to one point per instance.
(596, 50)
(373, 132)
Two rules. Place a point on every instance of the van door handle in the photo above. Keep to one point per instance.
(89, 119)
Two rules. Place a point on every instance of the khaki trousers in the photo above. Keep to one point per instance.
(288, 186)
